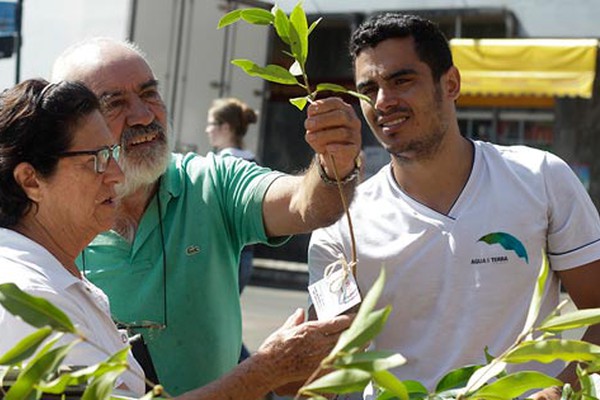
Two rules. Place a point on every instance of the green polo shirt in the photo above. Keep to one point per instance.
(210, 207)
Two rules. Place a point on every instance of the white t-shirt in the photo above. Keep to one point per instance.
(453, 294)
(36, 271)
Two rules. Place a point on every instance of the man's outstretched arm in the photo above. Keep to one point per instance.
(298, 204)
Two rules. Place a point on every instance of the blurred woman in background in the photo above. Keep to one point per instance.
(227, 124)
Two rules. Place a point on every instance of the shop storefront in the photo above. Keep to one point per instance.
(510, 88)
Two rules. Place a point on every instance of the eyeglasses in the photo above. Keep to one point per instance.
(102, 156)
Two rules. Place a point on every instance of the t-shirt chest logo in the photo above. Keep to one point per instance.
(191, 250)
(508, 242)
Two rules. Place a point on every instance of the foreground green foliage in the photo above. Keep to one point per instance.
(45, 353)
(490, 381)
(353, 367)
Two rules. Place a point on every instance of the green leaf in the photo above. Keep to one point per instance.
(271, 73)
(488, 357)
(388, 381)
(102, 386)
(370, 361)
(593, 366)
(364, 319)
(114, 363)
(538, 294)
(339, 88)
(385, 395)
(457, 378)
(229, 18)
(34, 310)
(299, 25)
(257, 16)
(416, 390)
(68, 379)
(36, 370)
(546, 351)
(296, 46)
(567, 392)
(26, 347)
(448, 395)
(341, 381)
(514, 385)
(281, 23)
(571, 320)
(359, 335)
(484, 374)
(362, 97)
(314, 25)
(299, 102)
(587, 385)
(332, 86)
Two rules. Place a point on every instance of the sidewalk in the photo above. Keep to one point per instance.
(280, 274)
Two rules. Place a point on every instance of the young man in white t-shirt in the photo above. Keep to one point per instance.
(434, 215)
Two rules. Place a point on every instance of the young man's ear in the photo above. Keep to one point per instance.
(27, 177)
(451, 80)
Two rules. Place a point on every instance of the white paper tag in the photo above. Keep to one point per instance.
(334, 294)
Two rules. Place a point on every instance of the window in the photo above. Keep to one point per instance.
(508, 127)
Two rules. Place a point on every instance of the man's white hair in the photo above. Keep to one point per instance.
(86, 50)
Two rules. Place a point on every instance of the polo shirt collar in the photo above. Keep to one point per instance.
(22, 250)
(172, 179)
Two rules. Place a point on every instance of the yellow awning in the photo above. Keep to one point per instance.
(514, 67)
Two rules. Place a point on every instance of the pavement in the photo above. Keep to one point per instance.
(276, 290)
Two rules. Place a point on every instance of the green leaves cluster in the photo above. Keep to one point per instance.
(43, 372)
(354, 369)
(293, 30)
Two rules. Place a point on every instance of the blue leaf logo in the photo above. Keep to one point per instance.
(507, 241)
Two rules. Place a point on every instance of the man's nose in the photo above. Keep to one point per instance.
(139, 113)
(114, 173)
(386, 98)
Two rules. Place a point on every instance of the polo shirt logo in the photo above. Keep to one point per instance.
(191, 250)
(508, 242)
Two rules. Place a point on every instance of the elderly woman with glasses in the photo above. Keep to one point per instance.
(58, 173)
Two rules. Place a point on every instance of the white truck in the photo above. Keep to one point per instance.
(191, 60)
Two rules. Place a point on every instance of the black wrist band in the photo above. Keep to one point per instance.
(348, 178)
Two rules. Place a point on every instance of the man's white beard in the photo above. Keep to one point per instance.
(139, 174)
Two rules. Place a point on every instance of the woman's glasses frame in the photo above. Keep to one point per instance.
(101, 155)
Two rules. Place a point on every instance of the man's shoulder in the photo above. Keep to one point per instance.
(516, 157)
(191, 166)
(373, 185)
(193, 163)
(517, 153)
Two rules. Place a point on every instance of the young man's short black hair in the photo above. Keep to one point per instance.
(430, 43)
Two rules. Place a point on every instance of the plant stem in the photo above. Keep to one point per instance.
(347, 211)
(314, 375)
(311, 97)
